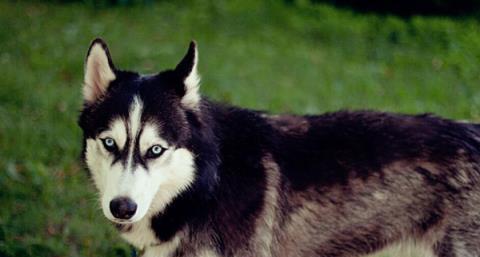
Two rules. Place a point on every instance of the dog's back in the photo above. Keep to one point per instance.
(358, 181)
(351, 183)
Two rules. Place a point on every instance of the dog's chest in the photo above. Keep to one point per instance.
(140, 235)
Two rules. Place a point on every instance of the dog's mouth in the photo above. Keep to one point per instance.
(122, 222)
(123, 227)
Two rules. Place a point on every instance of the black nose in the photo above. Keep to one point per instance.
(123, 208)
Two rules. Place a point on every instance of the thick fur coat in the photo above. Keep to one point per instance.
(208, 179)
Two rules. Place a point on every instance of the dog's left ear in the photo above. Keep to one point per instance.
(187, 70)
(99, 71)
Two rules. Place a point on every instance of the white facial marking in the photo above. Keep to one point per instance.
(151, 186)
(173, 176)
(192, 85)
(175, 172)
(98, 157)
(117, 132)
(150, 138)
(98, 74)
(134, 122)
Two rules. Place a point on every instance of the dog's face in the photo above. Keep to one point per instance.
(136, 132)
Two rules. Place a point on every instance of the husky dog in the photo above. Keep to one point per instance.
(181, 175)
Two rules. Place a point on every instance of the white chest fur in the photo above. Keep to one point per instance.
(162, 250)
(141, 234)
(143, 237)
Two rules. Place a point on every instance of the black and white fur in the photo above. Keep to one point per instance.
(180, 175)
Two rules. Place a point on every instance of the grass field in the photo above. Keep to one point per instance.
(279, 57)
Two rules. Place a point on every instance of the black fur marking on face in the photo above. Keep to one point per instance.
(115, 103)
(137, 155)
(117, 158)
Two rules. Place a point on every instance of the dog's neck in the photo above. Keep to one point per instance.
(225, 193)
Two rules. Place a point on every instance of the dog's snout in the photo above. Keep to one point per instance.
(123, 208)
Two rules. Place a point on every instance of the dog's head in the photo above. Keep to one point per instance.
(137, 133)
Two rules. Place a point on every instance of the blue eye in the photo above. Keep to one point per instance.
(109, 144)
(155, 151)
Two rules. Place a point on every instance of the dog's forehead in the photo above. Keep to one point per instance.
(129, 91)
(136, 123)
(160, 106)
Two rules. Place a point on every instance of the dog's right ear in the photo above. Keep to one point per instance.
(99, 71)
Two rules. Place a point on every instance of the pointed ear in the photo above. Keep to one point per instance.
(99, 71)
(187, 70)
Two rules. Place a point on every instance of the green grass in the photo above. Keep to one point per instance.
(284, 58)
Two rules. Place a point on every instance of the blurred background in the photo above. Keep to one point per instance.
(282, 56)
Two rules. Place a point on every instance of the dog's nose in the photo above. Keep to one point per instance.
(123, 208)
